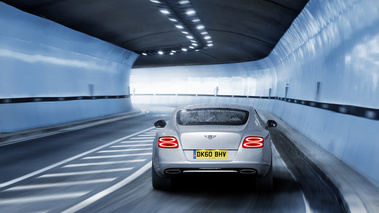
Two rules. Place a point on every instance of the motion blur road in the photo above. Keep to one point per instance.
(107, 168)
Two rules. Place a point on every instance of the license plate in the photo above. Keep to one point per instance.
(210, 154)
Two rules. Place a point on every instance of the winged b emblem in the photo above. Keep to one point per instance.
(210, 137)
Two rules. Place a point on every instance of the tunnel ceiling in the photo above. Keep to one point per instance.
(238, 30)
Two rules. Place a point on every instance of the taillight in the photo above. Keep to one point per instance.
(253, 142)
(168, 142)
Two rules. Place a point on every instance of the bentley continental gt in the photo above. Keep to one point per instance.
(213, 138)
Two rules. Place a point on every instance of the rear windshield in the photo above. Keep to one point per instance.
(212, 116)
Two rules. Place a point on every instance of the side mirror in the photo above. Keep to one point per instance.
(160, 124)
(271, 123)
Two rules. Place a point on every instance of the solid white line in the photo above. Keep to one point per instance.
(116, 156)
(134, 145)
(68, 160)
(51, 185)
(43, 198)
(123, 150)
(85, 172)
(306, 203)
(109, 190)
(102, 163)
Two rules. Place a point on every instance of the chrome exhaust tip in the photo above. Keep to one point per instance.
(172, 171)
(248, 171)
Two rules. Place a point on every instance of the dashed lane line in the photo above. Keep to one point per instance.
(116, 156)
(109, 190)
(54, 185)
(103, 163)
(123, 150)
(141, 141)
(69, 159)
(85, 172)
(43, 198)
(136, 145)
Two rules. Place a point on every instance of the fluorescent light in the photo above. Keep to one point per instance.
(184, 2)
(191, 47)
(200, 27)
(207, 37)
(185, 32)
(194, 44)
(196, 20)
(210, 45)
(172, 19)
(164, 11)
(179, 26)
(173, 51)
(184, 49)
(204, 33)
(189, 37)
(155, 1)
(190, 12)
(144, 53)
(160, 52)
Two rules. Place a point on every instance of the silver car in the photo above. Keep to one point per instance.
(212, 138)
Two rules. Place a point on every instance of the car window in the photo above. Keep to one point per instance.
(212, 116)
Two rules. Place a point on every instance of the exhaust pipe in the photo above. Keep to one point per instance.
(172, 171)
(248, 171)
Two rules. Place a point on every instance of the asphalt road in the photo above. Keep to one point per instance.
(107, 168)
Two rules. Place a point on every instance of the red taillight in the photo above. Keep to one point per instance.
(168, 142)
(253, 142)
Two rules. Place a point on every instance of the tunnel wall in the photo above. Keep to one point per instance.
(51, 74)
(321, 78)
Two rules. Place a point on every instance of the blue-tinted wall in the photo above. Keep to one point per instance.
(328, 62)
(51, 74)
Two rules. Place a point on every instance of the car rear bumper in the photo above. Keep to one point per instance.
(176, 169)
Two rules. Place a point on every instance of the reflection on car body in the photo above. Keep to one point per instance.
(212, 138)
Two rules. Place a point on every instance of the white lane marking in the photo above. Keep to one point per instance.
(123, 150)
(85, 172)
(134, 145)
(116, 156)
(145, 136)
(141, 141)
(142, 138)
(43, 198)
(52, 185)
(109, 190)
(68, 160)
(103, 163)
(306, 203)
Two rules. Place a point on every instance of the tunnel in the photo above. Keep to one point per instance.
(82, 83)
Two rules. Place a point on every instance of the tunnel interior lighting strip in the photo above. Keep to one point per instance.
(185, 19)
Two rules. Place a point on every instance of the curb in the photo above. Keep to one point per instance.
(357, 194)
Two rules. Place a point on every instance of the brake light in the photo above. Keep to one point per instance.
(168, 142)
(253, 142)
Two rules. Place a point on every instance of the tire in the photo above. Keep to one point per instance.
(160, 183)
(266, 183)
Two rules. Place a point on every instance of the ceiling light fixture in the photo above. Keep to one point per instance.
(190, 12)
(166, 12)
(186, 20)
(184, 2)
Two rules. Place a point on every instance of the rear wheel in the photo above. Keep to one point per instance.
(160, 183)
(265, 183)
